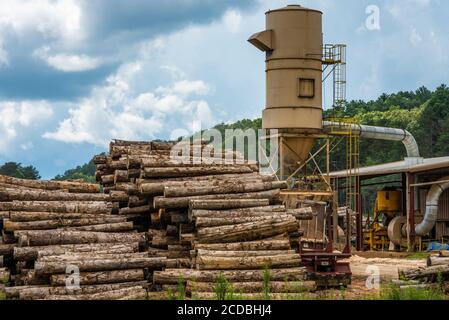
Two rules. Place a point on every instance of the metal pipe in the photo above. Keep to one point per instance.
(380, 133)
(430, 217)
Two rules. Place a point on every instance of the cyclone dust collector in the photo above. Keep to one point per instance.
(293, 42)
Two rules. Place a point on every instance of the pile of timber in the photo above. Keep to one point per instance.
(437, 269)
(63, 240)
(238, 239)
(204, 213)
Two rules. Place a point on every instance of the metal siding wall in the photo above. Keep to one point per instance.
(443, 207)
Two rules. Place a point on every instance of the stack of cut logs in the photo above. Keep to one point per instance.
(61, 240)
(206, 215)
(436, 271)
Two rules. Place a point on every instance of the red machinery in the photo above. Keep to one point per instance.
(325, 268)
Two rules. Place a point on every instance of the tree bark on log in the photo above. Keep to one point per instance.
(101, 265)
(156, 186)
(74, 257)
(246, 246)
(32, 253)
(52, 185)
(239, 212)
(168, 172)
(229, 187)
(216, 222)
(53, 224)
(229, 263)
(107, 227)
(247, 231)
(227, 202)
(428, 272)
(102, 277)
(49, 195)
(437, 261)
(132, 293)
(128, 187)
(7, 249)
(235, 254)
(24, 216)
(257, 287)
(55, 237)
(136, 210)
(33, 293)
(90, 207)
(173, 276)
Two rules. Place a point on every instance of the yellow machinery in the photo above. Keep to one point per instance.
(388, 206)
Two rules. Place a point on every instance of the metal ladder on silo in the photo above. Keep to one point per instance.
(335, 55)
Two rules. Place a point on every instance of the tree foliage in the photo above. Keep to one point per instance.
(85, 172)
(14, 169)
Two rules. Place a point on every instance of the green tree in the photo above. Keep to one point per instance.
(85, 172)
(15, 169)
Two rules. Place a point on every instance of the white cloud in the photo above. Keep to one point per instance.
(232, 20)
(115, 110)
(185, 87)
(67, 62)
(16, 116)
(60, 19)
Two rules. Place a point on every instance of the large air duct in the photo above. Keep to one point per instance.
(430, 217)
(380, 133)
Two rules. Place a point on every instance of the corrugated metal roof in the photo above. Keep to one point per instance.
(407, 165)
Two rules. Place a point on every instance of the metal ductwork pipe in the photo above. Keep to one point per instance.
(381, 133)
(430, 217)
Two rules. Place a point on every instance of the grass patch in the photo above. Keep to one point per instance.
(394, 292)
(417, 256)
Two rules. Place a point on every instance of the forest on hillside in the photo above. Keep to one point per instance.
(423, 112)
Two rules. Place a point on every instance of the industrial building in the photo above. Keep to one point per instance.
(409, 212)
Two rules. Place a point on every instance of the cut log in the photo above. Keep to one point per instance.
(229, 187)
(52, 185)
(215, 222)
(7, 249)
(4, 275)
(173, 276)
(53, 237)
(226, 203)
(32, 253)
(101, 265)
(238, 263)
(255, 296)
(107, 227)
(156, 186)
(239, 212)
(136, 210)
(257, 287)
(53, 224)
(23, 216)
(128, 187)
(103, 277)
(228, 253)
(33, 293)
(118, 196)
(246, 246)
(74, 257)
(437, 261)
(49, 195)
(427, 272)
(247, 231)
(91, 207)
(132, 293)
(167, 172)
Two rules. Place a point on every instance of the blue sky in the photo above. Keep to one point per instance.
(75, 74)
